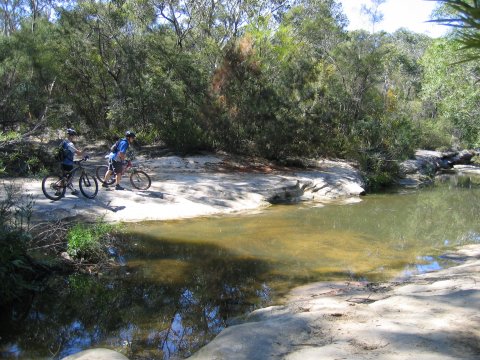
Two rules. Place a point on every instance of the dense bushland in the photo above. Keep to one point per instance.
(276, 79)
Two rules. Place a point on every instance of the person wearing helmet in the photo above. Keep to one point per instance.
(70, 152)
(117, 158)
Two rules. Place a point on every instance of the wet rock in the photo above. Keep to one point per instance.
(422, 169)
(286, 195)
(463, 157)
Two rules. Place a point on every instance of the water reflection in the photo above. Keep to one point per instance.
(184, 281)
(148, 310)
(464, 181)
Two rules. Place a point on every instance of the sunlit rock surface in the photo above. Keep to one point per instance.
(203, 186)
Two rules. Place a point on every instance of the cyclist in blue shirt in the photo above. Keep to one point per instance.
(116, 160)
(69, 153)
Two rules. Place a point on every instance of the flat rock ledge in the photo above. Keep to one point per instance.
(203, 186)
(429, 316)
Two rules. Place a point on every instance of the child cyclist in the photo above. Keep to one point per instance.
(116, 160)
(70, 151)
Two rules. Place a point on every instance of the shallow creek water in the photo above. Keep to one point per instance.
(184, 281)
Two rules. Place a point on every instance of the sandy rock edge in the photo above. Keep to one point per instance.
(429, 316)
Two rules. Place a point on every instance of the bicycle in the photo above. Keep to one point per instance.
(54, 186)
(138, 178)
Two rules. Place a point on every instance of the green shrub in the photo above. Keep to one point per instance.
(7, 136)
(434, 135)
(24, 158)
(380, 171)
(476, 160)
(88, 241)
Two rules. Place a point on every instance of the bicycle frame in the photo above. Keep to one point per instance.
(54, 186)
(125, 169)
(138, 178)
(70, 174)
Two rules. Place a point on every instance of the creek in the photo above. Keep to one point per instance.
(183, 281)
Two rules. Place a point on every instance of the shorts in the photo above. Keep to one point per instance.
(67, 168)
(115, 166)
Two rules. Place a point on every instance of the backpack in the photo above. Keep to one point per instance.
(60, 152)
(114, 147)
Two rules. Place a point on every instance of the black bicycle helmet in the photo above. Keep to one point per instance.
(71, 132)
(130, 134)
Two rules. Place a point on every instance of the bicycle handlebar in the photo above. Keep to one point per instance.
(85, 158)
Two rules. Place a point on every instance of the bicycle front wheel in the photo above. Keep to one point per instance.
(140, 180)
(53, 187)
(101, 171)
(88, 185)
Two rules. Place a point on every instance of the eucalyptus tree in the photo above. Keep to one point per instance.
(11, 14)
(92, 67)
(307, 78)
(219, 20)
(351, 71)
(403, 72)
(205, 27)
(450, 95)
(359, 63)
(373, 12)
(378, 77)
(29, 66)
(320, 24)
(28, 69)
(105, 47)
(15, 12)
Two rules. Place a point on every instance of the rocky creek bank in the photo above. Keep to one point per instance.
(185, 187)
(429, 316)
(422, 169)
